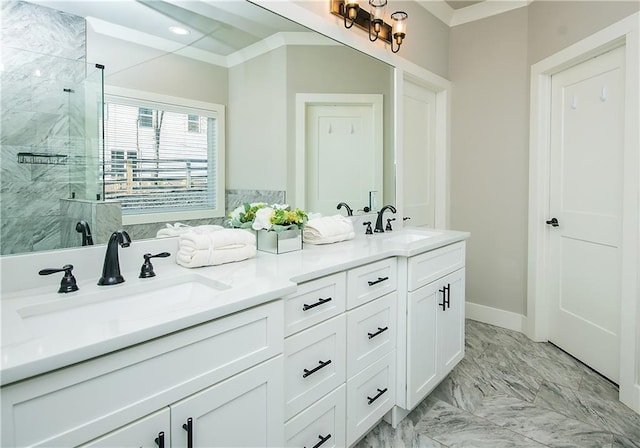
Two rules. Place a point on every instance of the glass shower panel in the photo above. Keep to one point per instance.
(48, 117)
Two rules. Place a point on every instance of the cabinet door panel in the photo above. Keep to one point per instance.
(139, 434)
(422, 369)
(451, 323)
(243, 411)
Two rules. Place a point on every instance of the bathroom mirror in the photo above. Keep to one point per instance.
(236, 54)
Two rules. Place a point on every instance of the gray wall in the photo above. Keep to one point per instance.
(489, 66)
(256, 124)
(139, 67)
(489, 155)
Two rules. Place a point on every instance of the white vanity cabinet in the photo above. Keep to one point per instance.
(227, 370)
(435, 319)
(340, 355)
(371, 341)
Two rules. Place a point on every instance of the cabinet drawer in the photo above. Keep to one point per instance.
(427, 267)
(371, 332)
(370, 395)
(325, 420)
(113, 390)
(142, 433)
(314, 363)
(314, 302)
(371, 281)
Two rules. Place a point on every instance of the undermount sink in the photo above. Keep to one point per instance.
(116, 305)
(408, 236)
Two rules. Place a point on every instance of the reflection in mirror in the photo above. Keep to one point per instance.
(236, 55)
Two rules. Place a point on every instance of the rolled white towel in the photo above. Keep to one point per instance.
(195, 258)
(328, 229)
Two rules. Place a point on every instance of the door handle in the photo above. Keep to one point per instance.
(553, 222)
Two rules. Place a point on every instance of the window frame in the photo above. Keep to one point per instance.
(187, 106)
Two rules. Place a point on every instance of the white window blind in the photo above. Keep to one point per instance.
(166, 164)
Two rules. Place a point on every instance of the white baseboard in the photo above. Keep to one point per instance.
(497, 317)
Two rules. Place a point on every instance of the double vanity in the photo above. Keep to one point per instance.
(309, 348)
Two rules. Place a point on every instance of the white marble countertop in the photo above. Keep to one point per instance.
(32, 345)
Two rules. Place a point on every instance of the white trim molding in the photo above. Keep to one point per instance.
(303, 101)
(496, 316)
(623, 33)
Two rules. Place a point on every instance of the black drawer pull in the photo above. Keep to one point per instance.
(446, 297)
(160, 439)
(315, 369)
(189, 428)
(380, 330)
(378, 395)
(313, 305)
(322, 440)
(380, 280)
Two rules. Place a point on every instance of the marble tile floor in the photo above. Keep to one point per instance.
(511, 392)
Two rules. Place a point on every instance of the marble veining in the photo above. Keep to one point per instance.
(43, 53)
(509, 391)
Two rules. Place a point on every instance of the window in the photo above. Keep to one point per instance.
(163, 161)
(193, 123)
(145, 117)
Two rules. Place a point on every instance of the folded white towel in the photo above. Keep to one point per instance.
(328, 229)
(195, 258)
(208, 246)
(208, 238)
(173, 230)
(178, 229)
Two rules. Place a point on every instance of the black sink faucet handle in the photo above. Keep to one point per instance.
(388, 226)
(146, 270)
(68, 282)
(368, 231)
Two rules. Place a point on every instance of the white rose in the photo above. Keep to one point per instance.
(263, 219)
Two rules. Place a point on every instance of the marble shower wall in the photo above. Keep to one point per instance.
(233, 198)
(43, 53)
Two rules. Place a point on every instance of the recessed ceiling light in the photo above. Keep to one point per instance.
(179, 30)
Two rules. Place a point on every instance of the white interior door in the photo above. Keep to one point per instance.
(586, 179)
(344, 156)
(418, 174)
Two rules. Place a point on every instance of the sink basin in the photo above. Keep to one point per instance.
(146, 300)
(408, 236)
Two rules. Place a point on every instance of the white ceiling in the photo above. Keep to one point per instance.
(219, 28)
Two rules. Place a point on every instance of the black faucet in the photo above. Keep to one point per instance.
(379, 228)
(349, 210)
(83, 228)
(111, 268)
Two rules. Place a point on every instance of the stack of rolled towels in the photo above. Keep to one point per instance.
(214, 245)
(328, 229)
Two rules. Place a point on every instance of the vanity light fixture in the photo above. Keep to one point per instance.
(372, 21)
(399, 29)
(350, 12)
(376, 18)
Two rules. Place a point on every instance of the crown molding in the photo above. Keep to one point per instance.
(453, 17)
